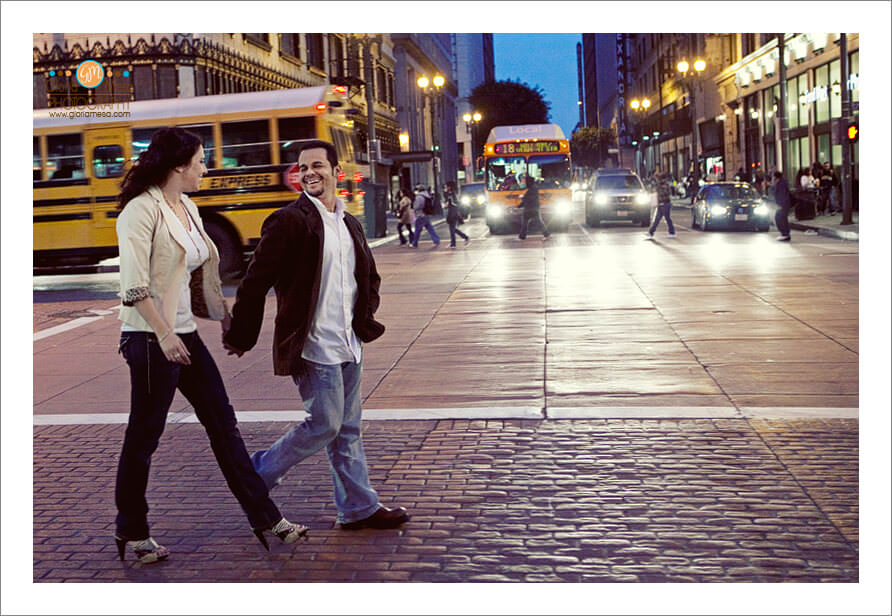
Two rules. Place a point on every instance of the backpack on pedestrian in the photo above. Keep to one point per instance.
(428, 207)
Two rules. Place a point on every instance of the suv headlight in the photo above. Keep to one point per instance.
(601, 198)
(717, 210)
(643, 198)
(465, 200)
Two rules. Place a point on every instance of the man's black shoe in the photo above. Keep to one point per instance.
(383, 518)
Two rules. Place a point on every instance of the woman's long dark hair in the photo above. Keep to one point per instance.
(170, 148)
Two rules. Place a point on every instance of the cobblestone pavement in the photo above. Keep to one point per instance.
(696, 500)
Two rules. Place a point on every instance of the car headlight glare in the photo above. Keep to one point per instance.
(761, 210)
(574, 186)
(465, 200)
(601, 199)
(495, 211)
(481, 199)
(717, 210)
(562, 208)
(643, 199)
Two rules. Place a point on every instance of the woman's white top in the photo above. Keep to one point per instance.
(197, 252)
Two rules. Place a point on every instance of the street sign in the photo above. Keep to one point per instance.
(290, 177)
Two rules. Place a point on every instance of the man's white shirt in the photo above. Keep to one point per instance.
(331, 339)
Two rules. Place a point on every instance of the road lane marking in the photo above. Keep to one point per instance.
(78, 322)
(482, 413)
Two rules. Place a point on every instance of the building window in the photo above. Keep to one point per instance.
(258, 39)
(290, 44)
(381, 85)
(39, 91)
(822, 92)
(166, 76)
(836, 86)
(143, 86)
(336, 55)
(316, 51)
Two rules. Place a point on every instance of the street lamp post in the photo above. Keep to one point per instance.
(640, 107)
(688, 77)
(433, 94)
(471, 122)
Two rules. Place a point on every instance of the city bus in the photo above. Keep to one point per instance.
(511, 152)
(251, 139)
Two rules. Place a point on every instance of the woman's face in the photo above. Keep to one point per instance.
(194, 171)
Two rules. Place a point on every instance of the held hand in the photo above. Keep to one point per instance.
(232, 350)
(225, 324)
(174, 350)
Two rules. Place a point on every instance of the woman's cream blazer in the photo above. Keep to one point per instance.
(151, 244)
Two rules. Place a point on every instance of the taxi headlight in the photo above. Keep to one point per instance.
(643, 198)
(761, 210)
(495, 211)
(465, 200)
(717, 210)
(563, 208)
(601, 199)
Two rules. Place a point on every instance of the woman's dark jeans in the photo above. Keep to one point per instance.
(153, 382)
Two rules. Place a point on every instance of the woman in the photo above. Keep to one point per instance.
(169, 274)
(406, 216)
(453, 217)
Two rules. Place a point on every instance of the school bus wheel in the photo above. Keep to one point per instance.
(230, 249)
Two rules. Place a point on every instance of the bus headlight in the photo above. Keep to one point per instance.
(465, 200)
(717, 210)
(495, 211)
(601, 199)
(761, 210)
(563, 209)
(643, 198)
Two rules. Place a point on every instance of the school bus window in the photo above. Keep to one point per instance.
(65, 157)
(141, 138)
(206, 133)
(38, 163)
(291, 132)
(246, 144)
(108, 161)
(343, 144)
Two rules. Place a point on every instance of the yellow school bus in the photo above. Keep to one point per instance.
(251, 139)
(511, 152)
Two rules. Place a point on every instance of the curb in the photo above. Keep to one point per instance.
(826, 232)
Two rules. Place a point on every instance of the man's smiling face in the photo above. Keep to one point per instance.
(316, 176)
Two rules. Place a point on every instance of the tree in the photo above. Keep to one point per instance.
(589, 144)
(506, 103)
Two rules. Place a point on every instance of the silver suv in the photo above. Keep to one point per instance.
(617, 194)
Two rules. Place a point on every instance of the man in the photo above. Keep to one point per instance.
(664, 206)
(783, 200)
(828, 186)
(422, 216)
(314, 253)
(530, 205)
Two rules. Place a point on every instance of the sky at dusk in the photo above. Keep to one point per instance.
(547, 61)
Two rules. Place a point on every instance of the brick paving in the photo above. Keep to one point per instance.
(698, 500)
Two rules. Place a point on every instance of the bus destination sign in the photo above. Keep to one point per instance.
(528, 147)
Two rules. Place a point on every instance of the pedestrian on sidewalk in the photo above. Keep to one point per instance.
(316, 257)
(829, 186)
(405, 216)
(169, 275)
(453, 216)
(424, 208)
(664, 206)
(530, 205)
(783, 199)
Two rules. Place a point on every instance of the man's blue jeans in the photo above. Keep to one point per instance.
(664, 210)
(424, 222)
(331, 396)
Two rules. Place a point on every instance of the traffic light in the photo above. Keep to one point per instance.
(852, 131)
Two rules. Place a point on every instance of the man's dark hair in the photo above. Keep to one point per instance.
(330, 153)
(778, 174)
